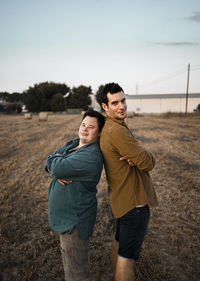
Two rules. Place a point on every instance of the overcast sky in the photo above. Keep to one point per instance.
(144, 45)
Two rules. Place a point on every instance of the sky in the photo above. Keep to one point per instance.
(145, 46)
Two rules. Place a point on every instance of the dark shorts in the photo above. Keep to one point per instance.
(131, 230)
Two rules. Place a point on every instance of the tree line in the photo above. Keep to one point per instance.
(48, 96)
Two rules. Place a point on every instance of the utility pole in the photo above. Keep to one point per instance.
(188, 78)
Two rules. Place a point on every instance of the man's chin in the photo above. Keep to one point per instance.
(122, 116)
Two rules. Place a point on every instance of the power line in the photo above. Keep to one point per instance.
(165, 78)
(195, 69)
(170, 75)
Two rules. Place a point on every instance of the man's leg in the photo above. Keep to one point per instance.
(114, 254)
(131, 230)
(124, 269)
(75, 257)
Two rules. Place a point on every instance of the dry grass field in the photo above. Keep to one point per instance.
(29, 249)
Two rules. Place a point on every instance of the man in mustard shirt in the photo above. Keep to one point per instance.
(131, 192)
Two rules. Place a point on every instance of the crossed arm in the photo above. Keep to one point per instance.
(130, 162)
(81, 165)
(134, 153)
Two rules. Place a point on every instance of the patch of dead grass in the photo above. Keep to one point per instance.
(30, 250)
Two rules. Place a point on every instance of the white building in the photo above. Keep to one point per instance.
(95, 105)
(162, 103)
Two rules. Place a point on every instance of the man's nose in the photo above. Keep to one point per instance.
(122, 105)
(85, 128)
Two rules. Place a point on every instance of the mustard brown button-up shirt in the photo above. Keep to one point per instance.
(129, 186)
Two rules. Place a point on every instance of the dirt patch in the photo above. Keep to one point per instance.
(30, 249)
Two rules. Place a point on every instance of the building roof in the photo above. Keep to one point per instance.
(163, 96)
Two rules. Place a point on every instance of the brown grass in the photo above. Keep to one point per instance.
(30, 249)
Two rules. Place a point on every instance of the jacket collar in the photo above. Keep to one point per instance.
(121, 122)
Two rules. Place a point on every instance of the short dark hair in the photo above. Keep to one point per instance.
(112, 88)
(100, 118)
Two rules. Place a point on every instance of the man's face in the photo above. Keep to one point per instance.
(116, 107)
(89, 131)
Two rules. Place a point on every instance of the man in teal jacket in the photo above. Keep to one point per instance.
(76, 169)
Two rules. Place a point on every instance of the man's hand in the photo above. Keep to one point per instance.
(130, 162)
(63, 182)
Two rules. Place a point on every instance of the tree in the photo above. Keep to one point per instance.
(98, 95)
(14, 97)
(58, 102)
(12, 108)
(38, 98)
(79, 97)
(4, 95)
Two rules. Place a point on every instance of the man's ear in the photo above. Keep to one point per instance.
(104, 106)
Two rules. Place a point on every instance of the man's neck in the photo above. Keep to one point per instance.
(84, 143)
(117, 119)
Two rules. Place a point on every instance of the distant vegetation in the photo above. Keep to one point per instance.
(47, 96)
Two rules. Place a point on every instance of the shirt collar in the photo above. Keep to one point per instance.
(121, 122)
(75, 142)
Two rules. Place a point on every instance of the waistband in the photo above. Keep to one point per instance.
(141, 206)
